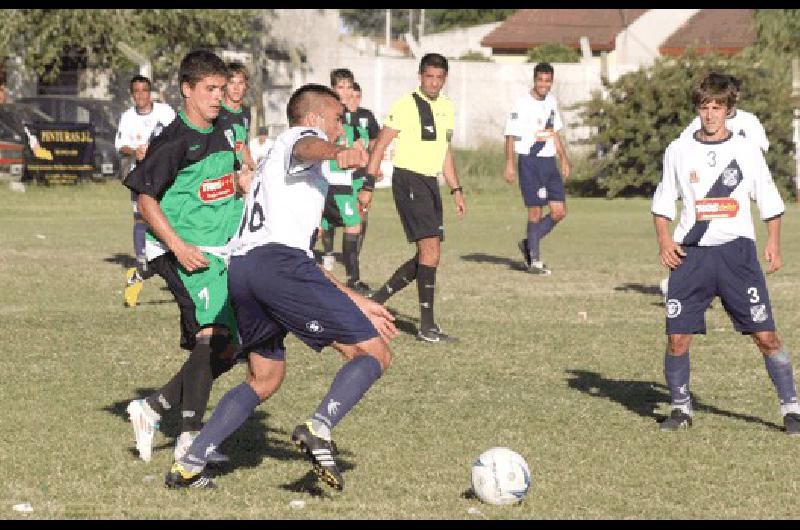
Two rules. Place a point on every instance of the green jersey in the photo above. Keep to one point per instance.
(190, 171)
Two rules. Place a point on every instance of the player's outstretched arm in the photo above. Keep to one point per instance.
(314, 149)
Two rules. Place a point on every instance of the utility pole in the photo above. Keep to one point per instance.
(411, 22)
(388, 27)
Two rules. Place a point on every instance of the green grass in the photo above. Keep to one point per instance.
(578, 398)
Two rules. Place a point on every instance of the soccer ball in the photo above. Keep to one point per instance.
(500, 476)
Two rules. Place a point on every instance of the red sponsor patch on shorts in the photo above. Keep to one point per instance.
(720, 208)
(216, 189)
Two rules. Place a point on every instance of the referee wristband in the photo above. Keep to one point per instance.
(454, 190)
(369, 182)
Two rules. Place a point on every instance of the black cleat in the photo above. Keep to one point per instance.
(435, 335)
(179, 478)
(791, 422)
(526, 255)
(677, 420)
(320, 452)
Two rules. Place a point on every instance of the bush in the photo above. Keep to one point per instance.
(474, 56)
(553, 53)
(647, 109)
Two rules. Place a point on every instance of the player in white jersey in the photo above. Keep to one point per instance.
(137, 126)
(712, 253)
(531, 133)
(277, 287)
(739, 122)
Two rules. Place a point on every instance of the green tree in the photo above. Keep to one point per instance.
(645, 110)
(373, 21)
(43, 37)
(553, 53)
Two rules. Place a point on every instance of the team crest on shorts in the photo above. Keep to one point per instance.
(673, 308)
(758, 313)
(730, 177)
(314, 326)
(542, 192)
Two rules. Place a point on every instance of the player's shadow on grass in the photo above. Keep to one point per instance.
(247, 447)
(643, 289)
(643, 397)
(480, 257)
(126, 261)
(405, 323)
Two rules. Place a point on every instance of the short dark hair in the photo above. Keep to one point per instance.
(140, 79)
(339, 74)
(235, 67)
(543, 68)
(304, 99)
(2, 78)
(262, 131)
(356, 86)
(434, 60)
(198, 64)
(716, 87)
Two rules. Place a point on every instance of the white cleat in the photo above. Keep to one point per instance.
(185, 441)
(144, 428)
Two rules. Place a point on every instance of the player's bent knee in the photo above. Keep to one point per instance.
(265, 375)
(767, 342)
(375, 347)
(678, 344)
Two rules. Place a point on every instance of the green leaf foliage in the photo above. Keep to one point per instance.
(643, 111)
(553, 53)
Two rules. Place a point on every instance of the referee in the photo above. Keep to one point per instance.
(422, 123)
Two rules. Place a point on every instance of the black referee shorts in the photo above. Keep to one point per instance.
(418, 203)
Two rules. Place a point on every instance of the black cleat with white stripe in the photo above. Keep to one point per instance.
(320, 452)
(179, 478)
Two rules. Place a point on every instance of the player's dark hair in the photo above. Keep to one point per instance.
(140, 79)
(305, 99)
(719, 88)
(433, 60)
(356, 87)
(543, 68)
(2, 78)
(235, 67)
(198, 64)
(340, 74)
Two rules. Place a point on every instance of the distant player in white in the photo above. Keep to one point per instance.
(716, 174)
(277, 288)
(260, 145)
(739, 122)
(144, 120)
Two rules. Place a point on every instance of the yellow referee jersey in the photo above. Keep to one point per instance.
(411, 151)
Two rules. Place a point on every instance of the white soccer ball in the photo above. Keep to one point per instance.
(500, 476)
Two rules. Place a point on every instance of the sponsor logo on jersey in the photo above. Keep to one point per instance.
(693, 178)
(758, 313)
(720, 208)
(730, 177)
(673, 308)
(216, 189)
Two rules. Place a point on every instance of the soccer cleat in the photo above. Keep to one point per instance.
(526, 255)
(360, 287)
(791, 422)
(435, 334)
(133, 286)
(320, 452)
(144, 428)
(327, 262)
(539, 268)
(184, 442)
(179, 478)
(677, 420)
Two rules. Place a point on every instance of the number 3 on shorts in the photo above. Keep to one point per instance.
(753, 292)
(204, 295)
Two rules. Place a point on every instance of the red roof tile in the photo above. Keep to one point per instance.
(724, 30)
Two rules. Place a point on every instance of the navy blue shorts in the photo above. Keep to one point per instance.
(539, 179)
(276, 289)
(730, 271)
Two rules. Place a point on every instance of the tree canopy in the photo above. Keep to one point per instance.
(373, 21)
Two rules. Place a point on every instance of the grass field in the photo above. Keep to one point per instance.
(578, 397)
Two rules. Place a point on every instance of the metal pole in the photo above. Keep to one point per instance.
(388, 27)
(421, 23)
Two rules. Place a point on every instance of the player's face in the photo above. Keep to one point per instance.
(542, 84)
(712, 119)
(329, 118)
(344, 87)
(431, 81)
(235, 89)
(140, 91)
(204, 99)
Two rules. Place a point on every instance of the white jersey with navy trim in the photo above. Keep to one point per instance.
(138, 129)
(716, 182)
(286, 198)
(742, 123)
(528, 121)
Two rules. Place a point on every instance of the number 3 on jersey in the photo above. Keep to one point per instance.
(255, 215)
